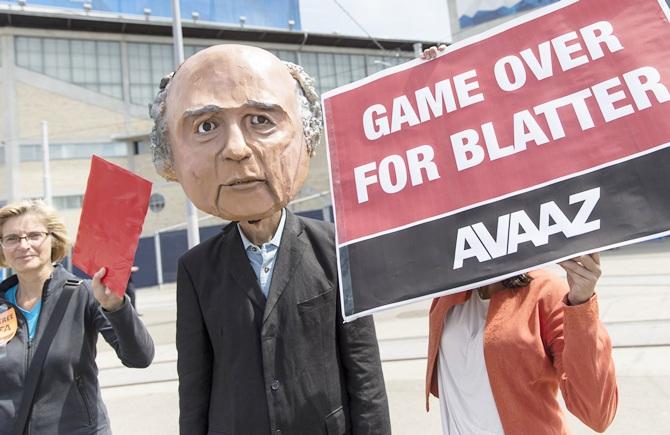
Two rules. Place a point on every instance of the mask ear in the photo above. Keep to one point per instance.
(159, 137)
(310, 106)
(166, 171)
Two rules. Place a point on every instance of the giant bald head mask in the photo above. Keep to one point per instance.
(236, 127)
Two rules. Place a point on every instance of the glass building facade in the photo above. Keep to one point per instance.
(96, 65)
(259, 13)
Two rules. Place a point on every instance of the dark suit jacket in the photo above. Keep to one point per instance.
(288, 365)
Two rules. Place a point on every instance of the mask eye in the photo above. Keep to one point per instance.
(260, 120)
(206, 127)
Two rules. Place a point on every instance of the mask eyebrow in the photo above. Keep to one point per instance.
(213, 108)
(210, 108)
(264, 106)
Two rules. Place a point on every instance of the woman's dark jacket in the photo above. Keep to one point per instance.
(68, 399)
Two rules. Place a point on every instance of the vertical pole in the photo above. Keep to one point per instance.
(130, 151)
(125, 93)
(46, 173)
(68, 260)
(325, 211)
(159, 259)
(10, 120)
(192, 231)
(177, 40)
(418, 49)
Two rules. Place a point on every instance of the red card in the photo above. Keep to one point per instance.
(114, 208)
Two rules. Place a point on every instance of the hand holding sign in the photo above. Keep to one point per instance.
(108, 300)
(583, 273)
(432, 52)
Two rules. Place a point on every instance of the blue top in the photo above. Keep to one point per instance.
(262, 258)
(31, 316)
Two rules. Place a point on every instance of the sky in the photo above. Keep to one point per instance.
(425, 20)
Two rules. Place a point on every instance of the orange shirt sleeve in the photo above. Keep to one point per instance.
(582, 356)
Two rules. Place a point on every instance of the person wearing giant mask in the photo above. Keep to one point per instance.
(261, 343)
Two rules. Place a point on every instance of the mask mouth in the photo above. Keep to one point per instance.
(221, 211)
(243, 181)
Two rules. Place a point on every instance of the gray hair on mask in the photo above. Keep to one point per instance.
(309, 105)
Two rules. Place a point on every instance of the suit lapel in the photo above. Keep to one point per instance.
(288, 258)
(240, 269)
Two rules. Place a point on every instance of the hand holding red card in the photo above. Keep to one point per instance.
(114, 208)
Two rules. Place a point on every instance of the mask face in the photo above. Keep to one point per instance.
(236, 132)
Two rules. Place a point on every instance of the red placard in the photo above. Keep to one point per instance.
(115, 205)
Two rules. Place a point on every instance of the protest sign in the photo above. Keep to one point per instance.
(115, 205)
(538, 140)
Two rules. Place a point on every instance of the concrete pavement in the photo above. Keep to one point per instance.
(634, 296)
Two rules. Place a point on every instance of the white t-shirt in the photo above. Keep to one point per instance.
(466, 400)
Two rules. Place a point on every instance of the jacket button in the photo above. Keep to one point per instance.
(275, 385)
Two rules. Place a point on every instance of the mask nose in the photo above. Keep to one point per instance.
(235, 146)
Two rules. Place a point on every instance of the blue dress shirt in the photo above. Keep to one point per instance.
(262, 258)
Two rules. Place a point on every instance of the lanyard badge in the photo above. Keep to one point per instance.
(8, 327)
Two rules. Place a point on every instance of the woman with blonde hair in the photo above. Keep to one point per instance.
(51, 321)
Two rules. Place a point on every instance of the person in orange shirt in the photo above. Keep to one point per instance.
(498, 355)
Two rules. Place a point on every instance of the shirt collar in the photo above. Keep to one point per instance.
(275, 239)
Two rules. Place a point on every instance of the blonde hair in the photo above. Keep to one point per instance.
(48, 216)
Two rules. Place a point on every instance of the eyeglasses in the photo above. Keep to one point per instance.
(33, 238)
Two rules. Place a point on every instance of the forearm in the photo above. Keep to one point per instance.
(194, 359)
(368, 404)
(133, 344)
(589, 382)
(195, 385)
(194, 369)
